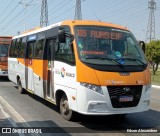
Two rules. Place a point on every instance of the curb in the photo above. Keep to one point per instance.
(156, 86)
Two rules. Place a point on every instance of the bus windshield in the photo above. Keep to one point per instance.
(4, 50)
(108, 46)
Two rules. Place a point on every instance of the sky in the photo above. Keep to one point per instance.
(133, 14)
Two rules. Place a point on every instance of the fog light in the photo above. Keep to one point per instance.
(97, 107)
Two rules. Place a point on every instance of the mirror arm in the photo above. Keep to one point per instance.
(70, 36)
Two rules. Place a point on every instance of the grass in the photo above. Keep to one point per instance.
(155, 78)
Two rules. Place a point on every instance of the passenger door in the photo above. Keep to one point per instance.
(29, 66)
(38, 67)
(50, 68)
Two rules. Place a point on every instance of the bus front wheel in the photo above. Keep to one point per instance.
(64, 108)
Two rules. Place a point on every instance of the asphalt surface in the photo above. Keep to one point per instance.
(28, 110)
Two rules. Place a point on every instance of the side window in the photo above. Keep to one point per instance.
(30, 48)
(39, 49)
(22, 45)
(11, 53)
(16, 50)
(66, 52)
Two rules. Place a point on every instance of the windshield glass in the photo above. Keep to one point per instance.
(108, 46)
(4, 50)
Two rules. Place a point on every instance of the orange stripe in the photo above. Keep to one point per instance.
(88, 75)
(40, 67)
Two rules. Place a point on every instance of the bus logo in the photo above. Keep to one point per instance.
(125, 74)
(126, 89)
(63, 72)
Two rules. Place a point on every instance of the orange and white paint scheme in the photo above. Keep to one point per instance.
(90, 67)
(5, 41)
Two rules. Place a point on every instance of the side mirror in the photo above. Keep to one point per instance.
(61, 36)
(72, 37)
(143, 45)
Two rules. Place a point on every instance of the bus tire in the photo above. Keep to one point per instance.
(64, 108)
(20, 88)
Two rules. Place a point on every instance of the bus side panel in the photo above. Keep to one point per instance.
(38, 77)
(65, 80)
(16, 68)
(12, 69)
(21, 71)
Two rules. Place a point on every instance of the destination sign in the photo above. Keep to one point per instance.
(99, 34)
(32, 38)
(93, 52)
(8, 40)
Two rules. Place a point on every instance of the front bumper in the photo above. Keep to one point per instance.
(3, 73)
(92, 103)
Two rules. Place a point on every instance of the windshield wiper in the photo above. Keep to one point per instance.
(103, 58)
(133, 59)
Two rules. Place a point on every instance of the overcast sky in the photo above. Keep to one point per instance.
(133, 14)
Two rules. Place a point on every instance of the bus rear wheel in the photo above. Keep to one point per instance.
(20, 88)
(64, 108)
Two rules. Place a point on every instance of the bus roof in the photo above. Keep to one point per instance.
(94, 23)
(37, 30)
(6, 36)
(72, 23)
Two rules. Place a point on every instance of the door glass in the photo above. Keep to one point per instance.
(30, 50)
(50, 77)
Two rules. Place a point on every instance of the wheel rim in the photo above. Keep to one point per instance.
(65, 107)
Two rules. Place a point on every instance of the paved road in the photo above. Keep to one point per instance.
(28, 110)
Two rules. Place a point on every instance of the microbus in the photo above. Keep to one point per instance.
(89, 67)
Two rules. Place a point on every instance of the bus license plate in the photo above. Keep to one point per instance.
(126, 98)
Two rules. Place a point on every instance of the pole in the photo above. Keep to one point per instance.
(25, 23)
(25, 4)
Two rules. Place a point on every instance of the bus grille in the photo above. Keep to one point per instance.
(118, 92)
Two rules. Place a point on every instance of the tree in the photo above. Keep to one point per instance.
(153, 54)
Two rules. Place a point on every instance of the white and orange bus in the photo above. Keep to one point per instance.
(89, 67)
(5, 42)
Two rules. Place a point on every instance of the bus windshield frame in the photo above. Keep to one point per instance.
(102, 45)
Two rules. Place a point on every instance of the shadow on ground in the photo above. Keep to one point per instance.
(104, 124)
(4, 79)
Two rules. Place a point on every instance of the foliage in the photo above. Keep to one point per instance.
(156, 78)
(153, 54)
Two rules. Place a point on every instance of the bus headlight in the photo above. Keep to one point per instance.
(147, 87)
(95, 88)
